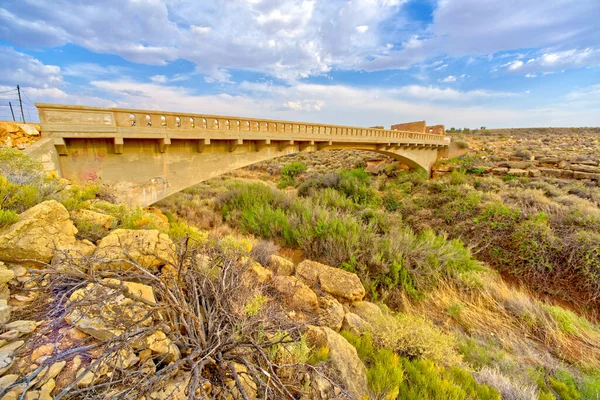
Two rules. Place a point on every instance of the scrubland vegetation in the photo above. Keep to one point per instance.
(436, 252)
(490, 286)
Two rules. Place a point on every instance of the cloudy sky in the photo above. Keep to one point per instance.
(463, 63)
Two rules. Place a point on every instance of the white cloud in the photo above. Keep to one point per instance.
(91, 70)
(449, 78)
(549, 62)
(218, 75)
(285, 38)
(22, 69)
(159, 79)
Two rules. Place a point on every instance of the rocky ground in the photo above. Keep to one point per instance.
(89, 331)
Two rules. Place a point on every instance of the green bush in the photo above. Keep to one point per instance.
(462, 145)
(8, 217)
(77, 197)
(293, 169)
(426, 380)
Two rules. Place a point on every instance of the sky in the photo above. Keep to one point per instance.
(462, 63)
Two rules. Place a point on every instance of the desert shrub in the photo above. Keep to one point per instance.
(181, 231)
(509, 389)
(414, 337)
(18, 168)
(590, 387)
(384, 367)
(138, 218)
(76, 197)
(426, 380)
(293, 169)
(355, 185)
(18, 197)
(318, 355)
(462, 144)
(7, 217)
(563, 384)
(263, 250)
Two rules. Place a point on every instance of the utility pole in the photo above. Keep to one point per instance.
(21, 103)
(11, 111)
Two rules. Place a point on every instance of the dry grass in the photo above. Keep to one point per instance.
(516, 319)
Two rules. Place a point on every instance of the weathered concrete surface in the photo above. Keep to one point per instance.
(150, 155)
(417, 126)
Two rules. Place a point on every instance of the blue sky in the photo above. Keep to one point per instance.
(462, 63)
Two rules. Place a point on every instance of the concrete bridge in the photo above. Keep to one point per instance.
(149, 155)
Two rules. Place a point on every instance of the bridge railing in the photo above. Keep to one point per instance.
(146, 119)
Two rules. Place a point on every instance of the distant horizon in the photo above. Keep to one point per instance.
(453, 62)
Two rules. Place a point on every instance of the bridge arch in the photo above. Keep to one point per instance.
(148, 161)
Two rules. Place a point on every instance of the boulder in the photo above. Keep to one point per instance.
(366, 310)
(552, 172)
(4, 312)
(335, 281)
(349, 370)
(297, 295)
(534, 172)
(355, 324)
(93, 218)
(281, 265)
(75, 251)
(173, 389)
(149, 248)
(585, 168)
(37, 233)
(256, 274)
(517, 172)
(159, 343)
(331, 313)
(499, 171)
(113, 312)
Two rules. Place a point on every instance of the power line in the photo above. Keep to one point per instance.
(7, 91)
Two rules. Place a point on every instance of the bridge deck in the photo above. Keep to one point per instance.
(68, 121)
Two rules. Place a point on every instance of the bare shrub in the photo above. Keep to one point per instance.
(509, 389)
(263, 250)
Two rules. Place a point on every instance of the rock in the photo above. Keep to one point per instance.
(566, 173)
(297, 295)
(281, 265)
(550, 172)
(11, 347)
(366, 310)
(37, 233)
(332, 280)
(534, 172)
(173, 389)
(89, 217)
(355, 324)
(23, 327)
(43, 350)
(48, 373)
(76, 251)
(256, 274)
(8, 380)
(115, 313)
(248, 384)
(585, 175)
(4, 312)
(6, 274)
(585, 168)
(350, 371)
(149, 248)
(499, 171)
(517, 172)
(6, 361)
(331, 312)
(159, 343)
(4, 292)
(10, 335)
(121, 359)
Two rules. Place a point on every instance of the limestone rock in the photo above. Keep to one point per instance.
(22, 326)
(150, 248)
(298, 296)
(355, 324)
(37, 233)
(534, 172)
(4, 312)
(76, 251)
(115, 312)
(366, 310)
(331, 313)
(281, 265)
(93, 218)
(248, 384)
(8, 380)
(499, 171)
(517, 172)
(343, 358)
(256, 274)
(159, 343)
(48, 373)
(332, 280)
(173, 389)
(6, 274)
